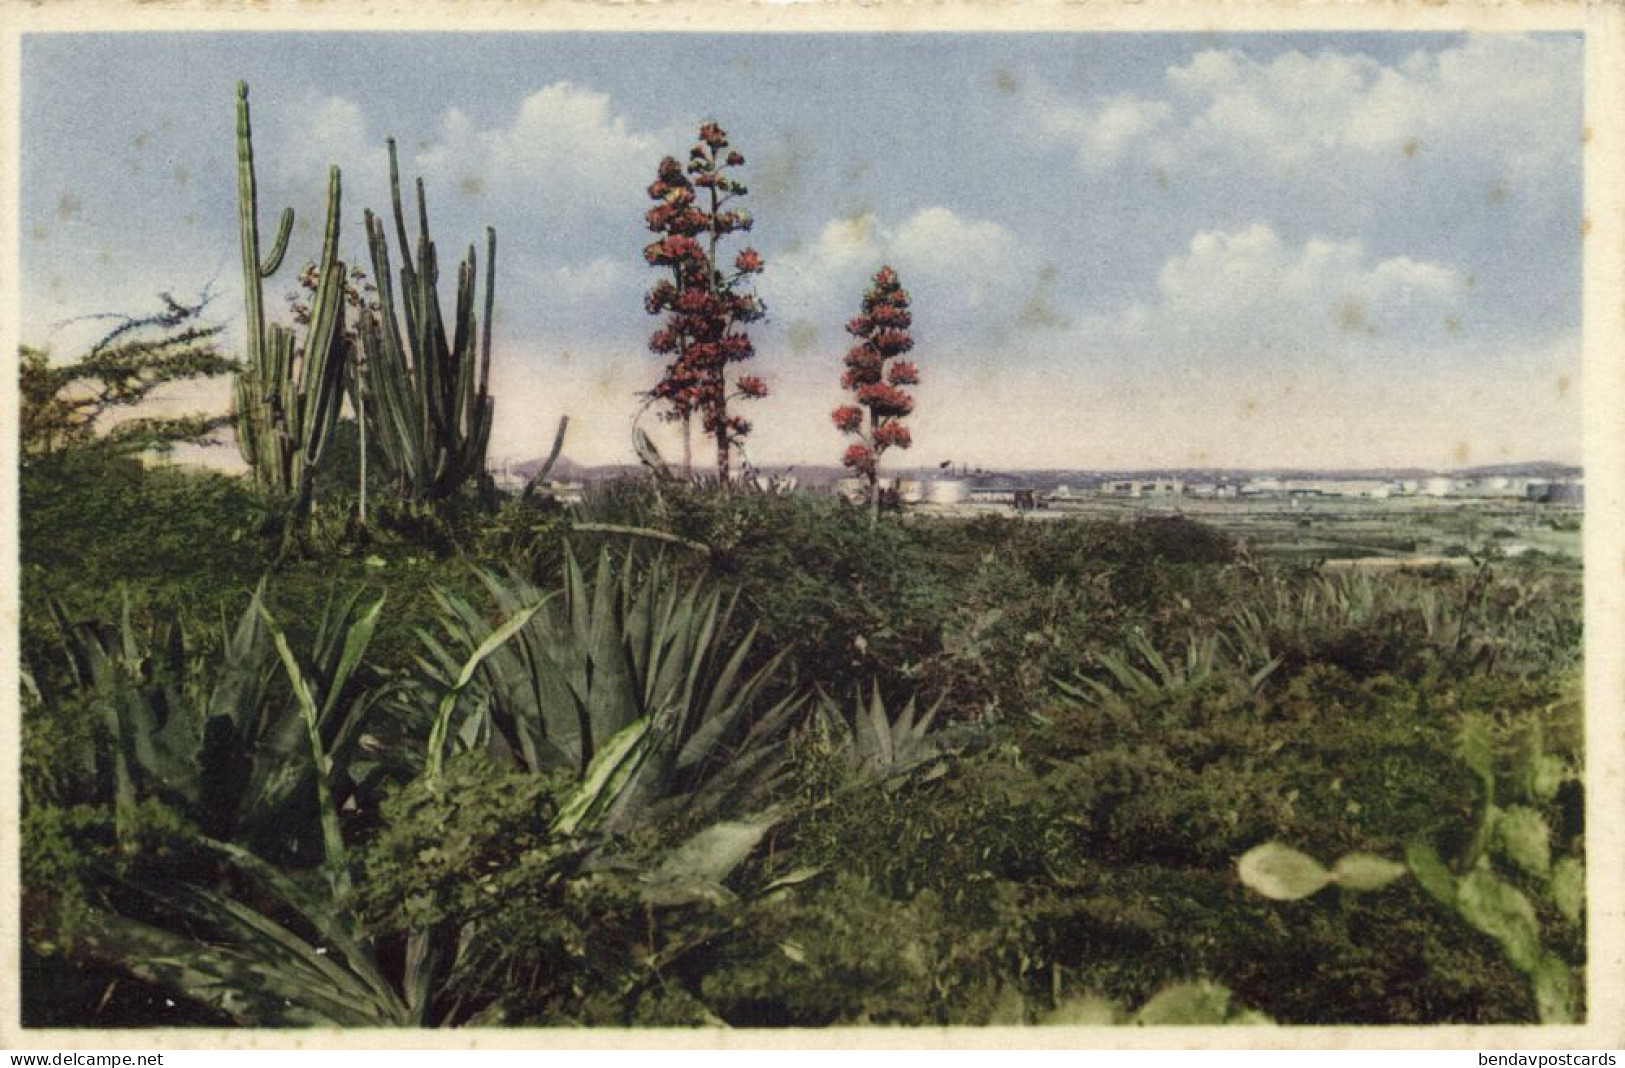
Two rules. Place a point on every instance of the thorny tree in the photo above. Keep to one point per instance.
(875, 375)
(706, 308)
(64, 405)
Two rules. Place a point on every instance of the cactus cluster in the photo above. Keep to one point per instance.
(431, 403)
(289, 393)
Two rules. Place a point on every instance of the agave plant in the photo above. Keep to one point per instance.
(640, 509)
(251, 961)
(1162, 678)
(291, 951)
(227, 744)
(633, 683)
(878, 745)
(131, 680)
(1444, 623)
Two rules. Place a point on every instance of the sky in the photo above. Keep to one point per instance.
(1123, 250)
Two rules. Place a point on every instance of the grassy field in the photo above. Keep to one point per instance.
(679, 757)
(1407, 531)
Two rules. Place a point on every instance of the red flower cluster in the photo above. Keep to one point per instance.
(674, 251)
(882, 333)
(885, 401)
(892, 315)
(848, 418)
(890, 342)
(663, 341)
(863, 367)
(892, 434)
(704, 308)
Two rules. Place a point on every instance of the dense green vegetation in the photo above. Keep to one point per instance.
(762, 763)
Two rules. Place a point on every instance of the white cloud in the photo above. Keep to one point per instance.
(564, 145)
(335, 120)
(1251, 289)
(844, 246)
(950, 264)
(1104, 132)
(572, 284)
(936, 238)
(560, 157)
(295, 145)
(1494, 95)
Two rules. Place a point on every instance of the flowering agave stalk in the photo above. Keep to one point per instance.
(705, 306)
(430, 402)
(289, 394)
(875, 375)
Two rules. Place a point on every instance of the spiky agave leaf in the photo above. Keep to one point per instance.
(276, 733)
(130, 676)
(695, 870)
(336, 856)
(879, 745)
(250, 964)
(490, 644)
(620, 655)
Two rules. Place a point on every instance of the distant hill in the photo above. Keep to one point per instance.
(822, 474)
(1526, 470)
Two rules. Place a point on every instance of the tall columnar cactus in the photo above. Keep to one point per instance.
(289, 394)
(431, 407)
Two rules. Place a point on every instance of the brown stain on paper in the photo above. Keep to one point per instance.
(803, 336)
(1353, 317)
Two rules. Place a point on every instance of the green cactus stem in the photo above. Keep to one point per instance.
(431, 406)
(289, 393)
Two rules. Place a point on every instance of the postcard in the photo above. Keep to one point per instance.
(884, 524)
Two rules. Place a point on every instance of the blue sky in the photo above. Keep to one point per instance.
(1124, 249)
